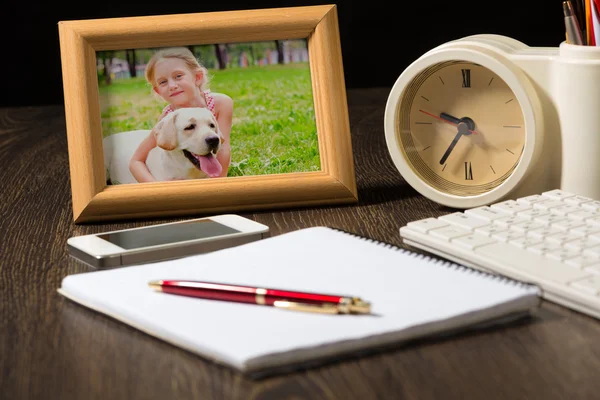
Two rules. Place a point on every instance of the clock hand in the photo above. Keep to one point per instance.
(450, 118)
(447, 120)
(462, 129)
(450, 148)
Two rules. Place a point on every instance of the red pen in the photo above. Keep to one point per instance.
(286, 299)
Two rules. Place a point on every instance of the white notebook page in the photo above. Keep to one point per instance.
(410, 296)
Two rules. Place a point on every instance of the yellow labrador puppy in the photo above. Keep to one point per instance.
(188, 141)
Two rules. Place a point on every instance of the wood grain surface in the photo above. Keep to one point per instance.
(51, 348)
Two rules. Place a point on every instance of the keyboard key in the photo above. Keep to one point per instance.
(548, 205)
(564, 210)
(594, 221)
(581, 243)
(593, 251)
(593, 235)
(510, 207)
(557, 194)
(533, 266)
(578, 201)
(507, 236)
(583, 260)
(449, 232)
(592, 231)
(490, 230)
(508, 221)
(562, 237)
(593, 206)
(526, 226)
(549, 219)
(590, 284)
(525, 242)
(532, 213)
(563, 254)
(473, 241)
(594, 269)
(464, 221)
(425, 225)
(582, 215)
(541, 233)
(531, 200)
(567, 225)
(487, 213)
(543, 248)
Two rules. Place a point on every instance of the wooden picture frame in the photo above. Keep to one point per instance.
(94, 200)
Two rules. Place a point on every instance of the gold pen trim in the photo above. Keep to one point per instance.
(260, 296)
(156, 285)
(358, 306)
(346, 306)
(315, 308)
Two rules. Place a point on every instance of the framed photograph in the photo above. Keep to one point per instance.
(206, 113)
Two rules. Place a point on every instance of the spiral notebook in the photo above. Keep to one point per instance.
(412, 296)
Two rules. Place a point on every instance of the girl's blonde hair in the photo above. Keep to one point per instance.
(183, 53)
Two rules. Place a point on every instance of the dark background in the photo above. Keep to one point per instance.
(379, 38)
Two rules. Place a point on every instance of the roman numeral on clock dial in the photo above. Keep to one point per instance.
(466, 75)
(468, 171)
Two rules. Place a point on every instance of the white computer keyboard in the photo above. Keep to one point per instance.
(551, 239)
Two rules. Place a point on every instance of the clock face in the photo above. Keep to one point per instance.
(461, 128)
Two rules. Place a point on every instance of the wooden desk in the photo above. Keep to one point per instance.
(51, 348)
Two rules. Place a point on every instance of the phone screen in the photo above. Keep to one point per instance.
(166, 234)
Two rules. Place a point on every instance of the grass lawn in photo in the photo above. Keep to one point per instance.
(273, 129)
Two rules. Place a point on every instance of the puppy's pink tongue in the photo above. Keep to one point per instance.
(210, 165)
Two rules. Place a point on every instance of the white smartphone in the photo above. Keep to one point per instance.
(165, 241)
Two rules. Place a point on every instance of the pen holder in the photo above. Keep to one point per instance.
(566, 81)
(577, 95)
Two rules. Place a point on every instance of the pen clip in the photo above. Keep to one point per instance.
(323, 308)
(346, 306)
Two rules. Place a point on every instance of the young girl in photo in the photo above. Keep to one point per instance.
(179, 79)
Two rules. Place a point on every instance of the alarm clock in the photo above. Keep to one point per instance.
(478, 120)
